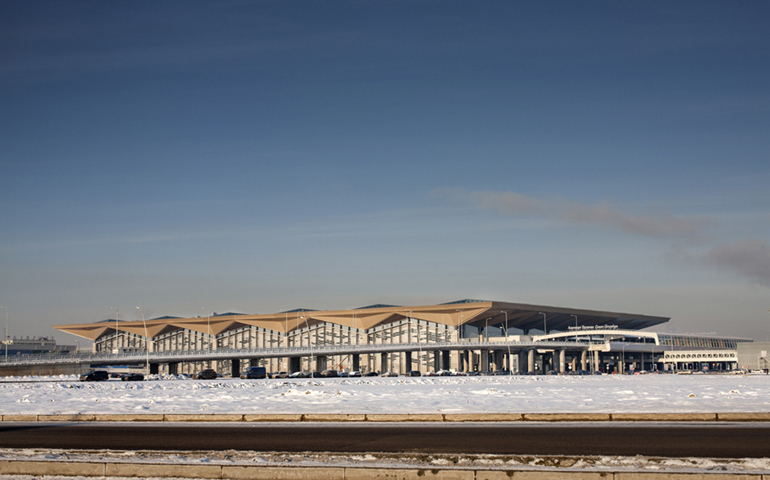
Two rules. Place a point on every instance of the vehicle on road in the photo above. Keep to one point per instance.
(330, 373)
(354, 373)
(414, 373)
(254, 372)
(132, 377)
(296, 375)
(95, 376)
(282, 375)
(389, 374)
(207, 374)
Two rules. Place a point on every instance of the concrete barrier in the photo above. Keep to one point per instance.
(566, 417)
(283, 473)
(392, 417)
(743, 417)
(66, 418)
(542, 475)
(333, 417)
(211, 417)
(20, 418)
(254, 472)
(685, 476)
(664, 417)
(273, 417)
(84, 469)
(483, 417)
(145, 470)
(407, 474)
(372, 417)
(129, 418)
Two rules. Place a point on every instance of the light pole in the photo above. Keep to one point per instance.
(146, 341)
(117, 332)
(6, 339)
(310, 342)
(208, 323)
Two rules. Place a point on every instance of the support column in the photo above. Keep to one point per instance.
(154, 368)
(356, 363)
(597, 358)
(408, 361)
(584, 360)
(173, 368)
(562, 361)
(455, 363)
(485, 360)
(383, 363)
(235, 370)
(531, 360)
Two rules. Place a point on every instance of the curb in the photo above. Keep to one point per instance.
(108, 469)
(391, 417)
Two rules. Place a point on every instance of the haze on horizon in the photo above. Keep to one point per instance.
(256, 157)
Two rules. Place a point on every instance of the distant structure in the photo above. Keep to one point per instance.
(461, 336)
(35, 345)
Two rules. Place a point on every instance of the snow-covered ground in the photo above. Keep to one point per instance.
(513, 394)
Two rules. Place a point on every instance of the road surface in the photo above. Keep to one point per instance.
(725, 440)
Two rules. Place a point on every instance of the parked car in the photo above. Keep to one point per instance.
(501, 372)
(254, 372)
(330, 373)
(132, 377)
(472, 373)
(296, 375)
(316, 375)
(414, 373)
(95, 376)
(372, 374)
(389, 374)
(354, 373)
(207, 374)
(281, 375)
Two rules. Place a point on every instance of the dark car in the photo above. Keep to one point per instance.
(207, 374)
(414, 373)
(501, 372)
(254, 372)
(132, 377)
(95, 376)
(372, 374)
(330, 373)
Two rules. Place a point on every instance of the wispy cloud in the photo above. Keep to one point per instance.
(749, 258)
(659, 224)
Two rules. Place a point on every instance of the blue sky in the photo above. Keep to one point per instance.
(260, 156)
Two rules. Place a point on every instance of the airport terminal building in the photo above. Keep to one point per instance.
(461, 336)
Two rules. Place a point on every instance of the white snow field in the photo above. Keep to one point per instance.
(504, 394)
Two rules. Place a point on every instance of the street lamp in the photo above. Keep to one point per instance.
(309, 341)
(6, 340)
(117, 331)
(146, 340)
(208, 322)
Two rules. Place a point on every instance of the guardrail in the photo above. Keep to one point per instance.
(232, 353)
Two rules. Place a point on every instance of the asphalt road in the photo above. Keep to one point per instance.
(668, 440)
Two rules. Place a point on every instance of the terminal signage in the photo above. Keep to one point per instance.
(592, 327)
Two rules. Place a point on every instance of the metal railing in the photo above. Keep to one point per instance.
(175, 356)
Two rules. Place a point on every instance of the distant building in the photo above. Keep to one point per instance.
(754, 356)
(467, 335)
(35, 345)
